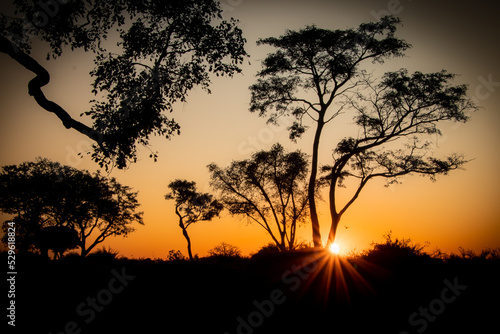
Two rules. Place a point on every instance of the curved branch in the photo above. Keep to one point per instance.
(41, 79)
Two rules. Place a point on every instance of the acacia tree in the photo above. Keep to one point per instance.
(191, 206)
(312, 68)
(405, 109)
(269, 189)
(110, 210)
(165, 49)
(44, 194)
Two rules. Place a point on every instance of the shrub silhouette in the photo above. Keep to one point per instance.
(395, 251)
(225, 250)
(486, 254)
(104, 255)
(175, 255)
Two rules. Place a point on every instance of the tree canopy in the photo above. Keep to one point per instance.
(43, 194)
(164, 49)
(269, 189)
(397, 119)
(191, 206)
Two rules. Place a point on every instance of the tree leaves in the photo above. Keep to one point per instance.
(319, 62)
(190, 204)
(269, 189)
(45, 193)
(166, 48)
(401, 107)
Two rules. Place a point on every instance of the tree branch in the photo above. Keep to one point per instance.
(34, 89)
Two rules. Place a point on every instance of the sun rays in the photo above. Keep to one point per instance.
(337, 278)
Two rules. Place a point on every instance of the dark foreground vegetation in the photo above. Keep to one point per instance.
(393, 288)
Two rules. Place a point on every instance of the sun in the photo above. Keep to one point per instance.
(335, 248)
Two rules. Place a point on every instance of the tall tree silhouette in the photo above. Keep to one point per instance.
(397, 119)
(191, 206)
(312, 68)
(269, 189)
(43, 194)
(165, 49)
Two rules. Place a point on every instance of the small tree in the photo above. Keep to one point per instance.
(44, 194)
(225, 250)
(191, 206)
(175, 255)
(269, 189)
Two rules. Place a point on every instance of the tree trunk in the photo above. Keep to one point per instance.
(333, 229)
(312, 187)
(44, 252)
(333, 210)
(184, 232)
(83, 239)
(84, 251)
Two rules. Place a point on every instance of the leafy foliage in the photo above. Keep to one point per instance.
(269, 189)
(42, 194)
(225, 250)
(175, 255)
(318, 61)
(311, 69)
(314, 69)
(394, 251)
(191, 206)
(165, 49)
(402, 108)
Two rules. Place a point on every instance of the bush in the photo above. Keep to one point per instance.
(486, 254)
(394, 251)
(175, 255)
(269, 249)
(104, 254)
(225, 250)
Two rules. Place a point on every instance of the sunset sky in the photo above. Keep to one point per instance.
(459, 210)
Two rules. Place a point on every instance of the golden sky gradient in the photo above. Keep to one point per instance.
(461, 209)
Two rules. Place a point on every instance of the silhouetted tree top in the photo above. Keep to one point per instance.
(269, 189)
(325, 62)
(191, 206)
(165, 49)
(404, 109)
(225, 250)
(43, 193)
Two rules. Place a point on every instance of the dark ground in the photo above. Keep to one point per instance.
(275, 293)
